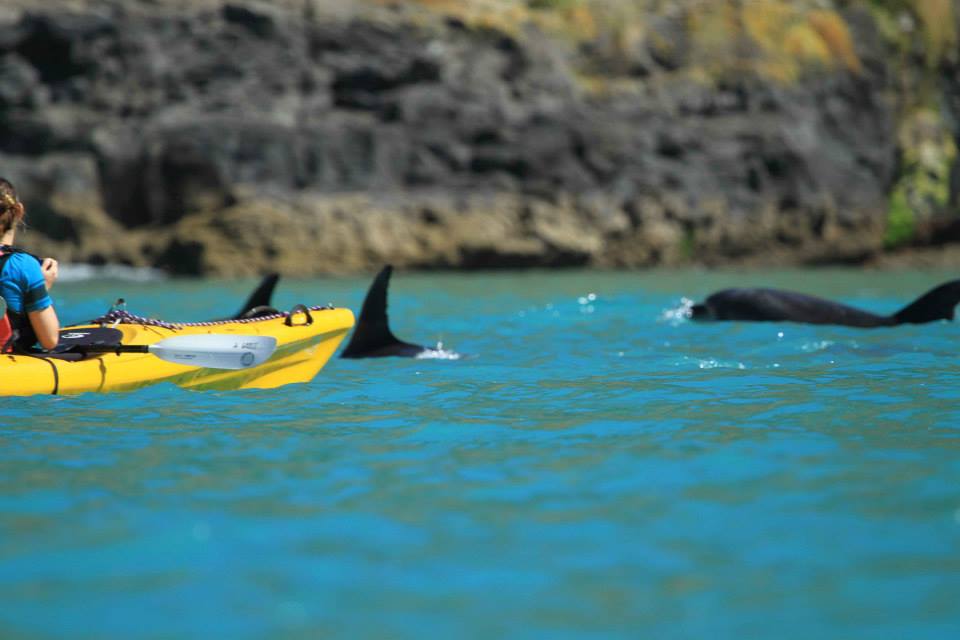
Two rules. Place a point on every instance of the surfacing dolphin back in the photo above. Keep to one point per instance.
(774, 305)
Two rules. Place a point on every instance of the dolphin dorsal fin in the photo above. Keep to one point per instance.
(936, 304)
(372, 331)
(260, 297)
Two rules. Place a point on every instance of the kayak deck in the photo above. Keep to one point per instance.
(306, 340)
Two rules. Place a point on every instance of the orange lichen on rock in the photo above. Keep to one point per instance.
(791, 39)
(835, 35)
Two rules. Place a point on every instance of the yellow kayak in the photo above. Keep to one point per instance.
(305, 341)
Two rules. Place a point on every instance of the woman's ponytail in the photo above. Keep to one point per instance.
(10, 207)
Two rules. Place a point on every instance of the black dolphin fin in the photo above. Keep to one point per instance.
(259, 300)
(936, 304)
(372, 336)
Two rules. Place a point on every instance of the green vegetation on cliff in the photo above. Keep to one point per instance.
(922, 193)
(924, 35)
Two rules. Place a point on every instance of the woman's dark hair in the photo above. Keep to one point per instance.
(10, 206)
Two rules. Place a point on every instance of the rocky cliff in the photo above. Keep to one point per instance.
(311, 136)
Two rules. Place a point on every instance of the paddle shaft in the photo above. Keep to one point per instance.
(116, 348)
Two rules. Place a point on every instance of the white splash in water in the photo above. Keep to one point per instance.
(711, 363)
(819, 345)
(438, 353)
(586, 303)
(678, 315)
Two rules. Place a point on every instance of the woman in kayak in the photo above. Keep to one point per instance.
(25, 281)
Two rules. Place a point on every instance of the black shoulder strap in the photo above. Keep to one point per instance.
(3, 259)
(8, 250)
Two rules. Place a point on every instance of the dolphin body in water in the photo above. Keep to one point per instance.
(774, 305)
(372, 337)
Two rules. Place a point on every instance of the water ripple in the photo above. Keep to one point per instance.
(599, 467)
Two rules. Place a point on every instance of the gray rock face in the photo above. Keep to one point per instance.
(247, 136)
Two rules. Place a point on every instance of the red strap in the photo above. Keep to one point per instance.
(6, 333)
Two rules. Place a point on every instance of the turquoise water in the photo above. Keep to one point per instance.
(594, 468)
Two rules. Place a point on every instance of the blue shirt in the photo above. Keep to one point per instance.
(22, 284)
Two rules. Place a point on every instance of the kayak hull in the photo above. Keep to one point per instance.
(305, 342)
